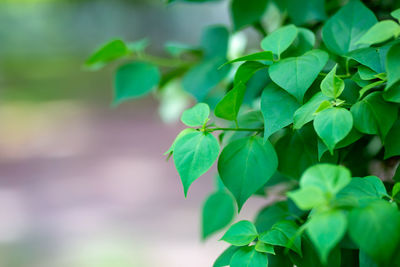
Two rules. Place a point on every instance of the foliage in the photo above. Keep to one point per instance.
(315, 110)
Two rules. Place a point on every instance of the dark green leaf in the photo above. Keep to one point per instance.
(245, 165)
(225, 258)
(280, 40)
(218, 212)
(304, 42)
(277, 107)
(302, 12)
(393, 67)
(296, 74)
(343, 30)
(392, 141)
(249, 257)
(270, 215)
(194, 154)
(135, 80)
(262, 56)
(247, 70)
(247, 12)
(196, 115)
(373, 115)
(240, 233)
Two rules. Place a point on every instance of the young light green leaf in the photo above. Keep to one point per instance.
(261, 56)
(392, 141)
(245, 165)
(326, 230)
(225, 258)
(177, 49)
(369, 87)
(393, 66)
(332, 86)
(218, 212)
(308, 198)
(342, 31)
(380, 32)
(396, 14)
(373, 115)
(249, 257)
(324, 105)
(279, 40)
(283, 233)
(194, 154)
(180, 135)
(245, 12)
(247, 70)
(108, 52)
(306, 113)
(333, 125)
(396, 189)
(277, 107)
(240, 233)
(374, 229)
(228, 107)
(196, 115)
(138, 46)
(134, 80)
(262, 247)
(296, 74)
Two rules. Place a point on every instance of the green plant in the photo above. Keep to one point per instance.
(316, 111)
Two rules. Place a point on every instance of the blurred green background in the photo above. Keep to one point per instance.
(83, 184)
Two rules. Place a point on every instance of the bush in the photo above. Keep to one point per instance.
(316, 111)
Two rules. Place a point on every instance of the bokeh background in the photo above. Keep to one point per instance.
(83, 184)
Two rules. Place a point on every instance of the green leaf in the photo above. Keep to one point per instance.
(300, 147)
(194, 154)
(343, 30)
(372, 57)
(134, 80)
(327, 177)
(179, 136)
(177, 49)
(138, 46)
(247, 70)
(262, 247)
(352, 137)
(395, 190)
(262, 56)
(302, 12)
(396, 14)
(214, 41)
(332, 86)
(303, 43)
(393, 67)
(326, 230)
(218, 212)
(333, 125)
(324, 105)
(392, 141)
(280, 40)
(283, 233)
(225, 258)
(373, 115)
(306, 113)
(375, 229)
(361, 191)
(366, 73)
(249, 257)
(308, 198)
(110, 51)
(380, 32)
(196, 115)
(245, 165)
(277, 107)
(240, 233)
(270, 215)
(296, 74)
(228, 107)
(247, 12)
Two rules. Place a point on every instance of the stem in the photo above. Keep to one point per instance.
(164, 62)
(236, 129)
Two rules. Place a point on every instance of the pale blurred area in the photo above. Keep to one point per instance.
(83, 184)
